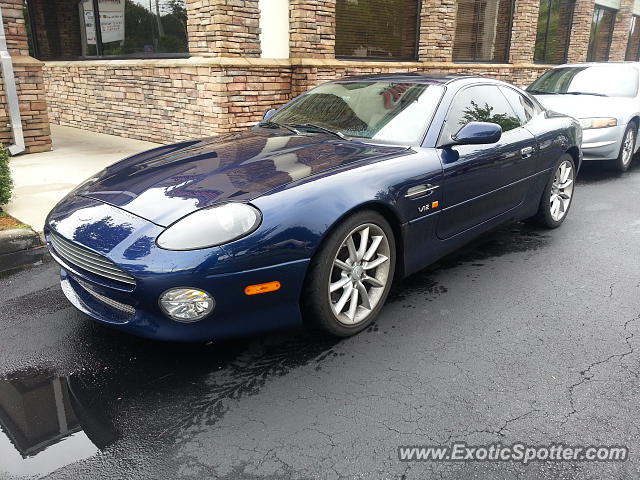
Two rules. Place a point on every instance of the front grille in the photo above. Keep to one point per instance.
(88, 260)
(123, 307)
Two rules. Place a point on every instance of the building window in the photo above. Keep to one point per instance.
(601, 33)
(67, 29)
(633, 45)
(554, 29)
(377, 29)
(483, 30)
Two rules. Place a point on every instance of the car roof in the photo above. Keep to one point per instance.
(412, 76)
(600, 64)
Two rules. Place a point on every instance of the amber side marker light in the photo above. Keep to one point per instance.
(435, 204)
(262, 288)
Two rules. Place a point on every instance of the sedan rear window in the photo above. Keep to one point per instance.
(604, 81)
(385, 112)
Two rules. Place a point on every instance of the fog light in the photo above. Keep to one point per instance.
(186, 304)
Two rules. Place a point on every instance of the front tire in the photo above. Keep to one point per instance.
(350, 276)
(627, 148)
(558, 194)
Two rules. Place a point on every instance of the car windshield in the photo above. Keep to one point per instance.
(609, 81)
(384, 112)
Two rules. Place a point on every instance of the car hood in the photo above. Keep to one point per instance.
(585, 106)
(167, 183)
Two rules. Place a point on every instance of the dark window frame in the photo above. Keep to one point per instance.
(506, 60)
(591, 52)
(413, 58)
(546, 35)
(99, 44)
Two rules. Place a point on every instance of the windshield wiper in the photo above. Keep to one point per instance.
(322, 129)
(542, 92)
(271, 124)
(587, 93)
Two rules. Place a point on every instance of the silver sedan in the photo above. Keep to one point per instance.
(605, 98)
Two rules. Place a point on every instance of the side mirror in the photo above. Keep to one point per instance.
(268, 114)
(476, 133)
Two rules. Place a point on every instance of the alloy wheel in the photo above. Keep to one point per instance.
(627, 147)
(562, 190)
(359, 274)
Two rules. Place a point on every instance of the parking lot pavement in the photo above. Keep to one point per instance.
(526, 335)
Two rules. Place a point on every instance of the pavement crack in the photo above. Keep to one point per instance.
(586, 374)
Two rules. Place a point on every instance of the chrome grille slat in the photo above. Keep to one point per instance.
(88, 260)
(81, 251)
(123, 307)
(91, 261)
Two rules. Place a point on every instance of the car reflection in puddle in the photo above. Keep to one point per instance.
(45, 425)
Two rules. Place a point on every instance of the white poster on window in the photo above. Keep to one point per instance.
(111, 20)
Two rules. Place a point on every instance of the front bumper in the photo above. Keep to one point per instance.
(97, 239)
(602, 143)
(234, 315)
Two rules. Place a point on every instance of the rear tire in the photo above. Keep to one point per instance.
(350, 276)
(627, 149)
(558, 194)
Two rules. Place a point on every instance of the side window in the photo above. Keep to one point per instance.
(483, 103)
(523, 107)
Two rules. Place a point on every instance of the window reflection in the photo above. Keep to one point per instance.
(484, 103)
(601, 34)
(44, 424)
(483, 29)
(554, 28)
(66, 29)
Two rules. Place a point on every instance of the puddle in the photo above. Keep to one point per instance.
(45, 424)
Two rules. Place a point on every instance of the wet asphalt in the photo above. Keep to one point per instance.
(524, 336)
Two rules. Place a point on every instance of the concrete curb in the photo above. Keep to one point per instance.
(20, 247)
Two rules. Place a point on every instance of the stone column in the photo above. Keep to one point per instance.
(621, 30)
(14, 27)
(524, 28)
(312, 26)
(29, 84)
(580, 31)
(224, 28)
(437, 29)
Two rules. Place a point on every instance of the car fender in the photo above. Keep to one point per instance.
(298, 217)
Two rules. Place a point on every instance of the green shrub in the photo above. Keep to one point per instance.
(6, 185)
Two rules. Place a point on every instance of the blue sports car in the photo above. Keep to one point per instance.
(308, 217)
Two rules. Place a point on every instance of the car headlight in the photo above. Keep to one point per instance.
(186, 304)
(210, 227)
(599, 122)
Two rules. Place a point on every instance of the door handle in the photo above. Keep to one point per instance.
(420, 190)
(526, 152)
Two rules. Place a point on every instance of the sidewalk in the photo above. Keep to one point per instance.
(42, 179)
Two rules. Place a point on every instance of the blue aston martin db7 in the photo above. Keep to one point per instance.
(308, 217)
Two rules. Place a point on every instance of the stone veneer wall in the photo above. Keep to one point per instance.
(225, 28)
(164, 100)
(171, 100)
(29, 84)
(621, 31)
(312, 28)
(524, 30)
(437, 27)
(580, 31)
